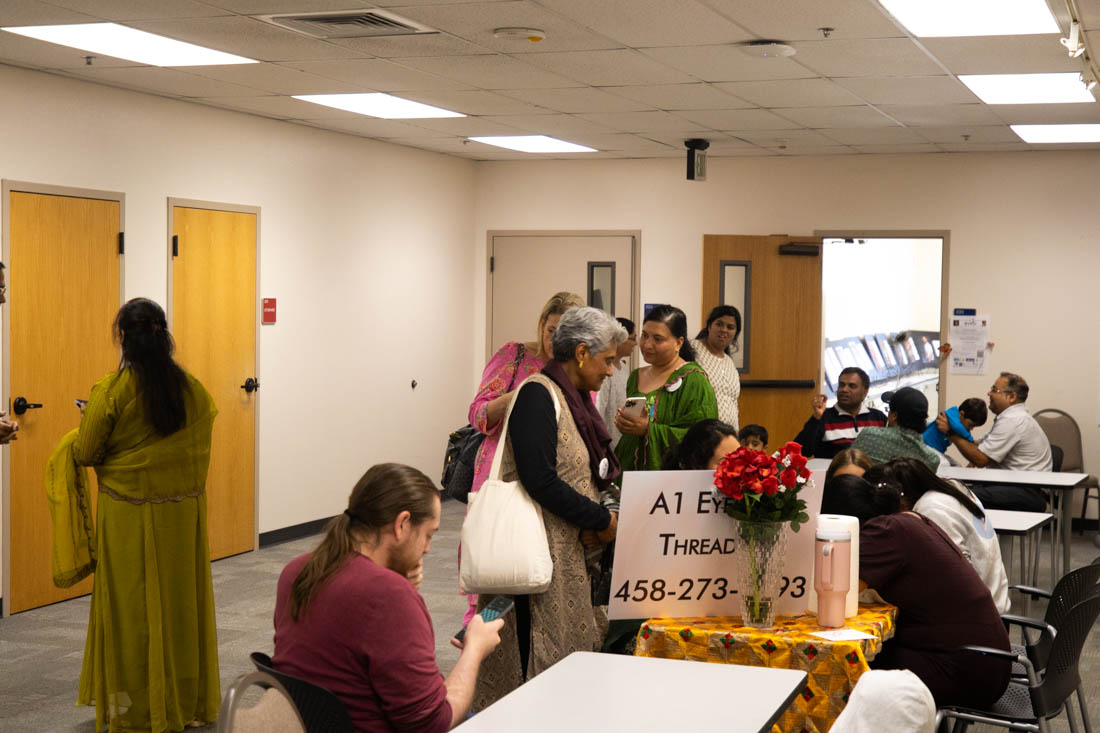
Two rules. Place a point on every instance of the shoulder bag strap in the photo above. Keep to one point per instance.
(498, 456)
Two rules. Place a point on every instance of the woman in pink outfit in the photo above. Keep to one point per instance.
(510, 365)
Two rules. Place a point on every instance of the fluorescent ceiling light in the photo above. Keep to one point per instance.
(1058, 133)
(533, 144)
(930, 18)
(111, 39)
(377, 104)
(1028, 88)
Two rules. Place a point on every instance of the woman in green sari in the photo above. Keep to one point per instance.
(151, 657)
(677, 392)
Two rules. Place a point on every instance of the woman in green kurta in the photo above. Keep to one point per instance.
(677, 392)
(151, 657)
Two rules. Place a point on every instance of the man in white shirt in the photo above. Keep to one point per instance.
(1016, 442)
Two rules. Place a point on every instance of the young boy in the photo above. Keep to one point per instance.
(754, 437)
(970, 414)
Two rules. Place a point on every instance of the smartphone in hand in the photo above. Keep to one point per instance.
(634, 407)
(496, 608)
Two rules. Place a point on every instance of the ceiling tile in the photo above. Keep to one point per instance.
(377, 75)
(123, 10)
(872, 135)
(475, 102)
(578, 99)
(371, 127)
(1043, 114)
(490, 72)
(836, 117)
(280, 107)
(419, 44)
(738, 119)
(646, 23)
(163, 81)
(719, 141)
(619, 142)
(554, 125)
(898, 149)
(476, 21)
(642, 121)
(247, 37)
(798, 20)
(275, 79)
(941, 116)
(792, 93)
(910, 90)
(974, 133)
(749, 152)
(1006, 147)
(680, 96)
(469, 126)
(609, 68)
(273, 7)
(727, 63)
(1001, 54)
(775, 138)
(32, 12)
(796, 150)
(31, 52)
(872, 57)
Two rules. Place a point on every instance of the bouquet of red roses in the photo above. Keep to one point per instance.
(763, 488)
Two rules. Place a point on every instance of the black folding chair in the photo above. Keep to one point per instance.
(1028, 706)
(321, 711)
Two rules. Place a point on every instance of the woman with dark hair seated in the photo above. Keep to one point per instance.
(957, 512)
(704, 446)
(942, 602)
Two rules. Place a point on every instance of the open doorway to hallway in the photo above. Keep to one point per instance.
(882, 302)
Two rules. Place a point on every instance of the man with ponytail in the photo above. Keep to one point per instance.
(348, 616)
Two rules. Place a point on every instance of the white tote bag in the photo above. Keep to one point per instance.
(504, 547)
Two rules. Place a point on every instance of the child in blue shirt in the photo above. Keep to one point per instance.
(970, 414)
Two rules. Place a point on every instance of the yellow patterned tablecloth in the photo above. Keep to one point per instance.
(833, 667)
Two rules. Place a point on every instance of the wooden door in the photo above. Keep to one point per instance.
(213, 276)
(63, 274)
(782, 326)
(527, 270)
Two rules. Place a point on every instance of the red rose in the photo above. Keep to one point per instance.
(804, 473)
(793, 448)
(789, 477)
(798, 460)
(771, 486)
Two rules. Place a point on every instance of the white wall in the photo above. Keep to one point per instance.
(365, 245)
(1023, 238)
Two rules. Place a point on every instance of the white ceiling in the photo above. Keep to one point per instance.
(631, 78)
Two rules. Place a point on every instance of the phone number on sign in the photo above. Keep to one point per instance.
(695, 589)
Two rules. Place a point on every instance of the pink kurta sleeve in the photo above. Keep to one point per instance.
(494, 382)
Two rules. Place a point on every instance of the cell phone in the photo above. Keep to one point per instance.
(634, 407)
(494, 610)
(81, 403)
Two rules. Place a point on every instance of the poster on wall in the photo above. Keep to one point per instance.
(969, 339)
(673, 551)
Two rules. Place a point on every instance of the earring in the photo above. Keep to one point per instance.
(580, 364)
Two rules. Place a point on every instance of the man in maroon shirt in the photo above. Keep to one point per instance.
(348, 616)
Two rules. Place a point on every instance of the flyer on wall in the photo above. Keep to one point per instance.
(969, 339)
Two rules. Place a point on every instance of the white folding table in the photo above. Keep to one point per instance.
(611, 692)
(1024, 525)
(1053, 480)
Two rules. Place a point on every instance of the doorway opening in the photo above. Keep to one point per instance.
(883, 304)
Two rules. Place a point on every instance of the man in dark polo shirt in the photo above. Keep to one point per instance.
(831, 430)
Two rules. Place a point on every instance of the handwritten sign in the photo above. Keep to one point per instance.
(675, 545)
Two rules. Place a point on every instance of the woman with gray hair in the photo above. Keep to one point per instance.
(559, 449)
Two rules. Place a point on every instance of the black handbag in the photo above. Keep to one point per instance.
(462, 447)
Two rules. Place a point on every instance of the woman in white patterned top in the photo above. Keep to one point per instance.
(713, 347)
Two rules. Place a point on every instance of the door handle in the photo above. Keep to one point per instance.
(250, 385)
(21, 405)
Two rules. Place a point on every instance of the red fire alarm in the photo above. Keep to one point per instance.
(268, 311)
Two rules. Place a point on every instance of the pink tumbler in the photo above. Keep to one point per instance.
(832, 574)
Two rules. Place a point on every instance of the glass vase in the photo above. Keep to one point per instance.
(759, 549)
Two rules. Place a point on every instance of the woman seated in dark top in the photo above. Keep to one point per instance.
(942, 602)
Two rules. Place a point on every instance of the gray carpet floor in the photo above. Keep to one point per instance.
(41, 650)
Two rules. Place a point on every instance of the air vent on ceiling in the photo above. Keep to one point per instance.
(352, 24)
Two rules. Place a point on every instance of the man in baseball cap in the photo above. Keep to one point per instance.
(903, 434)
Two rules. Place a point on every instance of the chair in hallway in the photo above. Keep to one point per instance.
(1062, 431)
